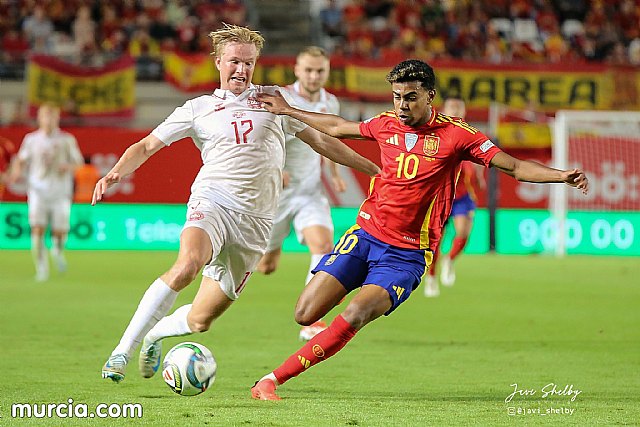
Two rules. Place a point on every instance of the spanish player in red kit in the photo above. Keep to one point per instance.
(399, 225)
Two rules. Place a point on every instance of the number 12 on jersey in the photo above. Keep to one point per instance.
(242, 129)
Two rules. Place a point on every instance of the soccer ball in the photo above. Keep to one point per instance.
(189, 368)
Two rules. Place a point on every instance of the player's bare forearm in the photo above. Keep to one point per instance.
(131, 159)
(330, 124)
(530, 171)
(336, 150)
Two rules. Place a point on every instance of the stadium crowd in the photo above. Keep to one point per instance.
(494, 31)
(91, 32)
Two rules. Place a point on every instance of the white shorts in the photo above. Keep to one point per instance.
(303, 212)
(42, 209)
(239, 241)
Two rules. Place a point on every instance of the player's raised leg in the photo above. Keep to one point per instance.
(371, 302)
(319, 239)
(195, 251)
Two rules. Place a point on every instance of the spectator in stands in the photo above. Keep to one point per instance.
(38, 30)
(331, 20)
(84, 30)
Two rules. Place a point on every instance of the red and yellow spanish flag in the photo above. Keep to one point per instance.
(108, 91)
(191, 72)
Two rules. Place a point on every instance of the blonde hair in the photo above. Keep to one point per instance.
(314, 51)
(233, 33)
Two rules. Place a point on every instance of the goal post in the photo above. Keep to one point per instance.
(606, 145)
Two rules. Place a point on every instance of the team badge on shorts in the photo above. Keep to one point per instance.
(196, 216)
(331, 259)
(431, 145)
(410, 140)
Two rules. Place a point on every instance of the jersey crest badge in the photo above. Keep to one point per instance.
(253, 102)
(410, 140)
(431, 145)
(196, 216)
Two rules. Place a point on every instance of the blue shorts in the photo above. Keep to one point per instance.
(360, 259)
(463, 206)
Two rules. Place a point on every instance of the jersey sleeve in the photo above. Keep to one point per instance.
(24, 153)
(178, 125)
(477, 148)
(369, 128)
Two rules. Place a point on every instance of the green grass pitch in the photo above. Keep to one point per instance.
(530, 320)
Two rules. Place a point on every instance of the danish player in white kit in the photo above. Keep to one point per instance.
(303, 202)
(50, 157)
(232, 203)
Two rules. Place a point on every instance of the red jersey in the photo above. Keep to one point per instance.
(410, 200)
(467, 181)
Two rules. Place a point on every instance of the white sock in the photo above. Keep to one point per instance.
(270, 376)
(58, 245)
(57, 250)
(39, 253)
(315, 259)
(171, 326)
(153, 306)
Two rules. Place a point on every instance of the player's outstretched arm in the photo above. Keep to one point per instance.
(529, 171)
(335, 150)
(131, 159)
(330, 124)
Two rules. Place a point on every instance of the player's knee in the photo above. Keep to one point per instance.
(185, 272)
(320, 246)
(199, 323)
(358, 315)
(304, 315)
(267, 267)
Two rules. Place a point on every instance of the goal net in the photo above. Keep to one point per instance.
(606, 145)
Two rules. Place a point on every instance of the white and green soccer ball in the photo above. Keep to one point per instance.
(189, 369)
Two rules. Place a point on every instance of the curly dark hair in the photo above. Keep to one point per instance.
(413, 70)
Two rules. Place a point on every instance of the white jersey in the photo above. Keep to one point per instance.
(302, 163)
(242, 148)
(44, 155)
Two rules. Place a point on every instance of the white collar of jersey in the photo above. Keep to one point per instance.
(224, 93)
(323, 93)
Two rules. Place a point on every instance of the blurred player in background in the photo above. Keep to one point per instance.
(7, 151)
(50, 157)
(400, 224)
(232, 203)
(462, 210)
(303, 202)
